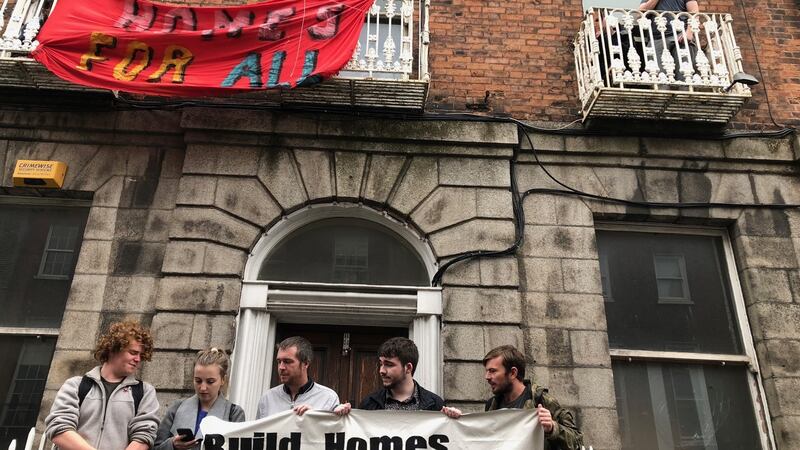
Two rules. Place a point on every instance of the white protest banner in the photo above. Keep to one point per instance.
(378, 430)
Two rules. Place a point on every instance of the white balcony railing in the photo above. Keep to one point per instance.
(658, 64)
(389, 68)
(387, 47)
(20, 21)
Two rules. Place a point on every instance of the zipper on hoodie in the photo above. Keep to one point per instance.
(106, 399)
(103, 421)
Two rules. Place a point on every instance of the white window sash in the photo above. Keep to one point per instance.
(748, 358)
(47, 251)
(683, 278)
(28, 331)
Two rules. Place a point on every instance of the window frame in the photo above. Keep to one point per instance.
(605, 274)
(747, 359)
(42, 275)
(684, 279)
(17, 201)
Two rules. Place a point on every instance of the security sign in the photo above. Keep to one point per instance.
(42, 174)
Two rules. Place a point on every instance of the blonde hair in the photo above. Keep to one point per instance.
(213, 356)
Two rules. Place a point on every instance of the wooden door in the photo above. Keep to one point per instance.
(345, 357)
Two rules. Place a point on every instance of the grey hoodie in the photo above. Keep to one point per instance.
(106, 428)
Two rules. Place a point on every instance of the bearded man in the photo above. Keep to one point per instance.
(398, 359)
(505, 372)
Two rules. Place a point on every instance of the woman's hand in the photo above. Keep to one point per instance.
(179, 444)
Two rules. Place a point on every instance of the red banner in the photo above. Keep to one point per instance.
(172, 50)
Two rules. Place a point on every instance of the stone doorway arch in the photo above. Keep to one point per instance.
(265, 303)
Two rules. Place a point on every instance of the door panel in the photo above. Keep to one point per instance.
(320, 362)
(365, 378)
(353, 374)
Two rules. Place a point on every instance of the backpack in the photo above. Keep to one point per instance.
(137, 390)
(538, 396)
(230, 412)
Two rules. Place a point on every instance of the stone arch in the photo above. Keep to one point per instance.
(315, 212)
(229, 195)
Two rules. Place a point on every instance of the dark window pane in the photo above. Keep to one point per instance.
(24, 362)
(345, 251)
(682, 406)
(670, 289)
(668, 266)
(654, 313)
(63, 237)
(35, 280)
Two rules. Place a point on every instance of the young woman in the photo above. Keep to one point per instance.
(210, 374)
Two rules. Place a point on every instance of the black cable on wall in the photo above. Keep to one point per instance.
(519, 213)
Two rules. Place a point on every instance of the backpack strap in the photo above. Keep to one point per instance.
(233, 407)
(538, 396)
(137, 390)
(84, 388)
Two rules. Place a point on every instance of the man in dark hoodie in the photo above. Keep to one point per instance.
(398, 358)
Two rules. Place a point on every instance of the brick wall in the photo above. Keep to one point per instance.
(504, 57)
(775, 25)
(516, 58)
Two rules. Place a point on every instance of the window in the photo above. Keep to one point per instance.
(351, 259)
(671, 279)
(345, 251)
(59, 252)
(38, 248)
(39, 243)
(22, 380)
(681, 351)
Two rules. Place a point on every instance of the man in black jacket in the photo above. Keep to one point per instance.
(398, 360)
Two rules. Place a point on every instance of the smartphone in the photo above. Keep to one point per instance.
(186, 434)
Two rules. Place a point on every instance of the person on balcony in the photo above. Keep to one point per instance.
(623, 40)
(669, 40)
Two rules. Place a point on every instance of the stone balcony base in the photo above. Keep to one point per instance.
(335, 93)
(630, 103)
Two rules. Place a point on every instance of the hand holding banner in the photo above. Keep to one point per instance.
(378, 430)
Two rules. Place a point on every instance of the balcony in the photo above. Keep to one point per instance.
(658, 65)
(388, 70)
